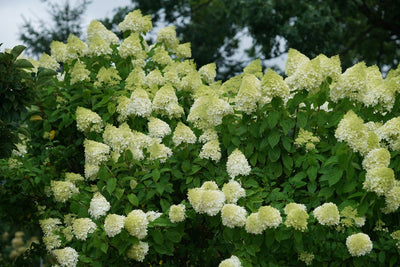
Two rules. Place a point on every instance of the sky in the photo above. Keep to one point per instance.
(13, 11)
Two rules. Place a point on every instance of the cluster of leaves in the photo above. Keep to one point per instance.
(16, 93)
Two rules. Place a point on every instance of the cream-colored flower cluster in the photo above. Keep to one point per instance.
(233, 261)
(166, 103)
(390, 132)
(63, 190)
(359, 244)
(307, 74)
(158, 128)
(266, 217)
(66, 257)
(99, 206)
(351, 129)
(233, 191)
(366, 85)
(306, 257)
(376, 158)
(88, 121)
(233, 215)
(82, 227)
(207, 198)
(136, 223)
(237, 164)
(95, 154)
(349, 217)
(208, 111)
(138, 251)
(113, 224)
(73, 177)
(177, 213)
(297, 216)
(306, 138)
(327, 214)
(50, 228)
(249, 94)
(79, 73)
(183, 134)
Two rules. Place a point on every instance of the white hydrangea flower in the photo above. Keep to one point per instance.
(211, 150)
(113, 224)
(138, 251)
(51, 242)
(136, 223)
(50, 225)
(158, 128)
(254, 224)
(233, 191)
(237, 164)
(233, 215)
(207, 199)
(82, 227)
(95, 152)
(152, 215)
(233, 261)
(359, 244)
(177, 213)
(63, 190)
(66, 257)
(98, 206)
(183, 134)
(269, 217)
(327, 214)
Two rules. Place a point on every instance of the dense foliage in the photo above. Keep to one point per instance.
(16, 93)
(135, 156)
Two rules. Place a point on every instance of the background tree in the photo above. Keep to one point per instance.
(66, 19)
(16, 93)
(357, 30)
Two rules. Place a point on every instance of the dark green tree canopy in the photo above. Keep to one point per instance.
(356, 30)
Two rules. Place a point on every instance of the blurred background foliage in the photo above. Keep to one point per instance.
(358, 30)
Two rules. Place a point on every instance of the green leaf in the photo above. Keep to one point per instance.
(174, 236)
(111, 184)
(156, 175)
(160, 188)
(333, 176)
(326, 192)
(273, 138)
(298, 177)
(302, 119)
(111, 108)
(164, 204)
(287, 161)
(119, 192)
(46, 73)
(104, 247)
(287, 125)
(312, 173)
(272, 118)
(274, 154)
(23, 63)
(236, 141)
(17, 50)
(157, 236)
(286, 142)
(133, 199)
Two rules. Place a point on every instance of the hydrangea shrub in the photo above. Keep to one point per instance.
(176, 168)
